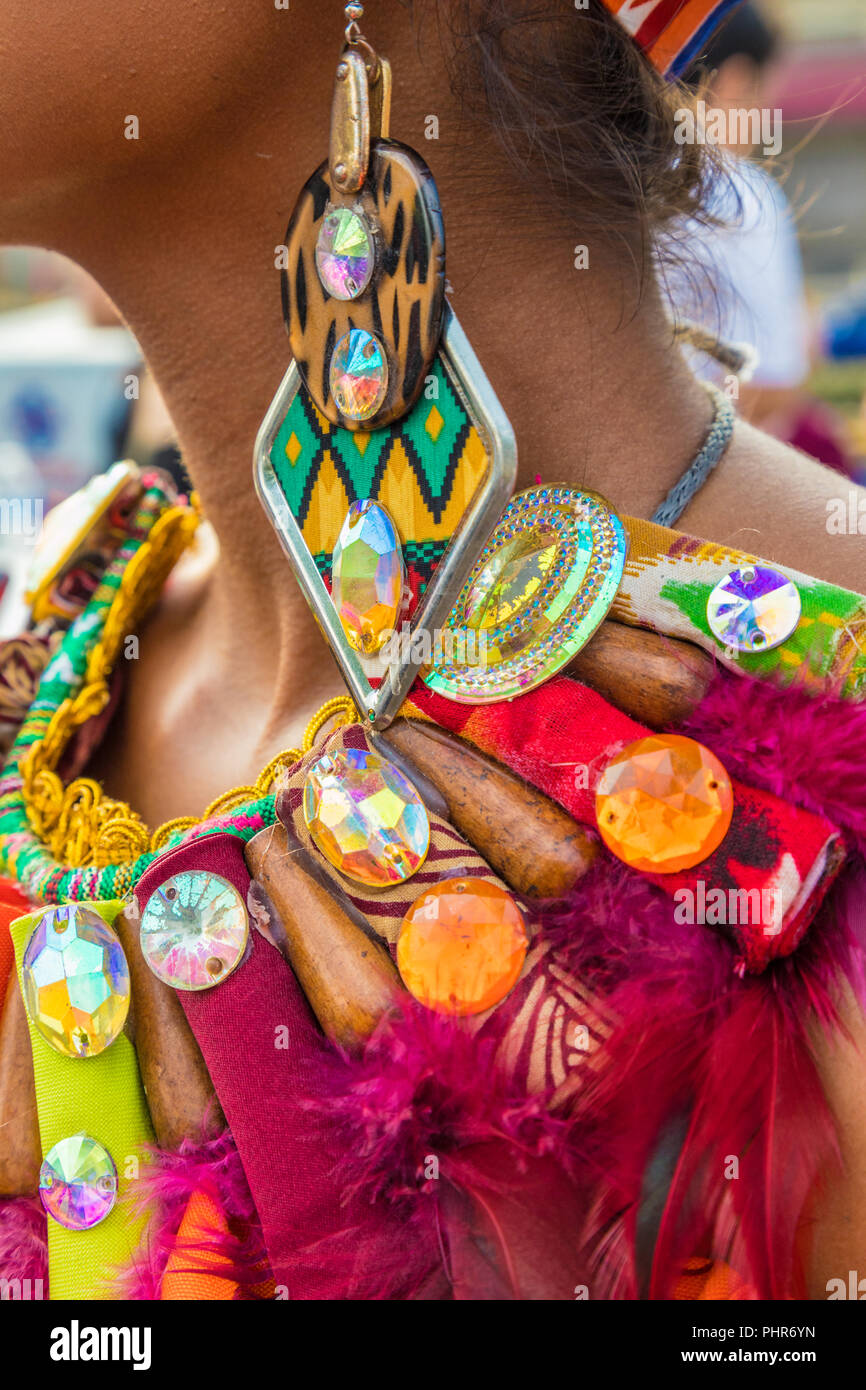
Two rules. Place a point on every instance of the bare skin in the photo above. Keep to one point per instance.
(180, 226)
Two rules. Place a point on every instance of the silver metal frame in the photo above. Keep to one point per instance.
(481, 403)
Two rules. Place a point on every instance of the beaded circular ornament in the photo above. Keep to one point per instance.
(543, 583)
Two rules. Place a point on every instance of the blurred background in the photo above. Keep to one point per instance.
(788, 274)
(819, 81)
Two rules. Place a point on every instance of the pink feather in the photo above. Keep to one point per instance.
(733, 1054)
(23, 1243)
(769, 738)
(162, 1193)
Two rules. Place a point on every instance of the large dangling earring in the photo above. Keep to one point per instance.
(385, 459)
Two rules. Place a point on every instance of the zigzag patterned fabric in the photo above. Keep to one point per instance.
(424, 470)
(670, 32)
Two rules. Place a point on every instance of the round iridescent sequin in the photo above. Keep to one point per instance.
(344, 254)
(366, 818)
(78, 1182)
(75, 981)
(194, 930)
(753, 609)
(358, 375)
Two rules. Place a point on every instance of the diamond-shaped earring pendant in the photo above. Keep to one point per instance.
(385, 458)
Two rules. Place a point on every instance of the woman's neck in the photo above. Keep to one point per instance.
(597, 393)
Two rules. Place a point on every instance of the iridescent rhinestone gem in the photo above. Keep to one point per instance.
(664, 804)
(542, 585)
(367, 576)
(462, 946)
(512, 577)
(359, 375)
(75, 981)
(194, 930)
(753, 608)
(344, 254)
(366, 817)
(78, 1182)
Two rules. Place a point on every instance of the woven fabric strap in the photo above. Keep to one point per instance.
(690, 484)
(103, 1097)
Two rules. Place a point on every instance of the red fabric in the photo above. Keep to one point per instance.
(560, 738)
(12, 905)
(262, 1050)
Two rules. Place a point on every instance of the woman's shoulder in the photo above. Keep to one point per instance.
(776, 502)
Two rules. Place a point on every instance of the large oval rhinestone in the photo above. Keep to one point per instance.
(664, 804)
(344, 254)
(194, 930)
(545, 580)
(75, 981)
(78, 1182)
(358, 375)
(366, 817)
(368, 576)
(462, 946)
(512, 577)
(753, 609)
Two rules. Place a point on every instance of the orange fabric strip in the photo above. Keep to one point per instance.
(191, 1273)
(708, 1281)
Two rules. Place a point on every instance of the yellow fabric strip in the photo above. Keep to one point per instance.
(103, 1097)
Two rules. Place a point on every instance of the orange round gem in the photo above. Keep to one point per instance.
(462, 946)
(664, 804)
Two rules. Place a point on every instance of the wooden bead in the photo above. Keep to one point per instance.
(346, 974)
(180, 1095)
(530, 841)
(20, 1148)
(657, 680)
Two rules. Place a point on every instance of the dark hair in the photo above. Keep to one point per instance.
(584, 117)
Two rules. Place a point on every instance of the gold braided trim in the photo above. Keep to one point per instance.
(80, 826)
(78, 823)
(341, 709)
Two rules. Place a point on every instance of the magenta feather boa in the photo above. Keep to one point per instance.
(805, 749)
